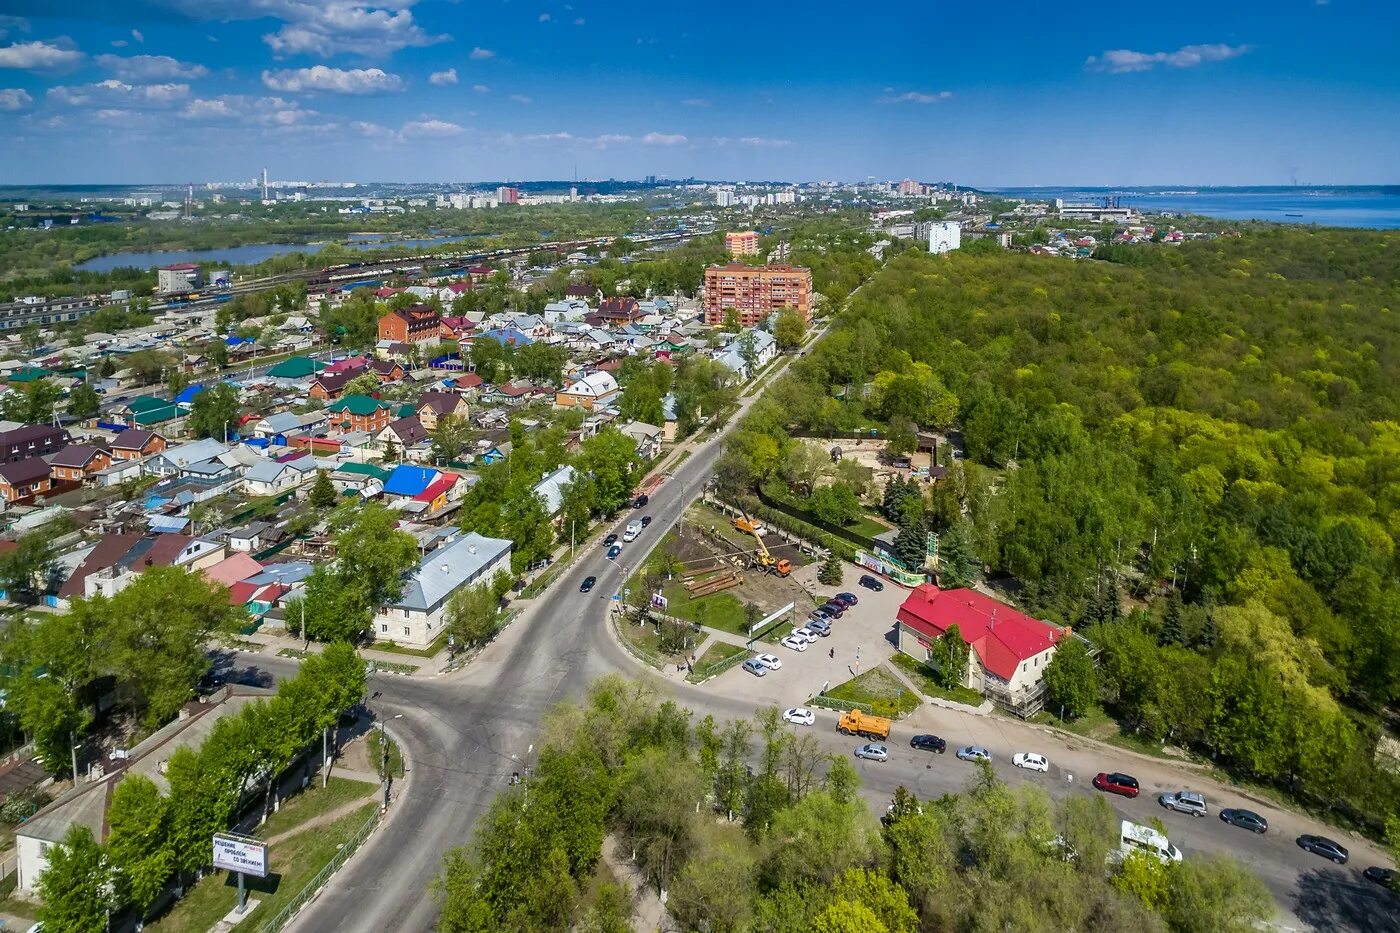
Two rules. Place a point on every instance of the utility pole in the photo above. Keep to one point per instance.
(73, 750)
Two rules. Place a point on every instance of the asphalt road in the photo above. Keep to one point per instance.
(466, 732)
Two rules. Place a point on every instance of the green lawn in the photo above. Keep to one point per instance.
(922, 676)
(291, 865)
(884, 692)
(314, 801)
(1097, 724)
(717, 652)
(721, 610)
(373, 749)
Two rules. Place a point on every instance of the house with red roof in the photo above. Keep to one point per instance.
(1009, 650)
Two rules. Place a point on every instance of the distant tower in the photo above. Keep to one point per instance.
(264, 183)
(189, 202)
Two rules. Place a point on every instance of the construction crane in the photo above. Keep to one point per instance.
(767, 562)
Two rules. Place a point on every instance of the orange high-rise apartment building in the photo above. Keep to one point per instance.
(741, 244)
(756, 292)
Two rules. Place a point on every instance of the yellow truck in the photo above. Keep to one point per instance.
(867, 727)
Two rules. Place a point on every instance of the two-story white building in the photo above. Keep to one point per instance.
(417, 617)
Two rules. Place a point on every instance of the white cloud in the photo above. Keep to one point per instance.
(663, 139)
(481, 89)
(913, 97)
(333, 80)
(695, 102)
(136, 34)
(208, 109)
(520, 98)
(762, 142)
(324, 28)
(443, 77)
(38, 56)
(113, 93)
(370, 129)
(430, 128)
(149, 67)
(568, 139)
(119, 43)
(14, 98)
(545, 17)
(480, 54)
(1125, 61)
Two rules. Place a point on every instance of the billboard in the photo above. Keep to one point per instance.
(239, 853)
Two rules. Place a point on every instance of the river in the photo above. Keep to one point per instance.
(251, 253)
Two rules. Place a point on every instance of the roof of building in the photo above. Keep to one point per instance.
(1001, 636)
(237, 566)
(364, 469)
(593, 385)
(281, 422)
(296, 367)
(206, 448)
(437, 487)
(506, 336)
(76, 455)
(28, 434)
(24, 471)
(266, 471)
(132, 439)
(361, 405)
(442, 403)
(408, 480)
(455, 564)
(551, 488)
(409, 430)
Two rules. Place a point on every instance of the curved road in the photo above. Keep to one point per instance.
(466, 732)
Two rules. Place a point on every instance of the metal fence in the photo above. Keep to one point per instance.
(844, 706)
(313, 887)
(641, 654)
(719, 667)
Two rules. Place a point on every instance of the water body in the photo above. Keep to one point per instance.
(251, 253)
(1373, 206)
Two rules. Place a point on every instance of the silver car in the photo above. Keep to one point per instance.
(1185, 801)
(873, 751)
(974, 753)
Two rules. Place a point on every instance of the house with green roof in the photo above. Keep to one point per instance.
(296, 367)
(29, 374)
(360, 413)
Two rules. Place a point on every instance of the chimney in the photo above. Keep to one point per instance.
(444, 568)
(471, 548)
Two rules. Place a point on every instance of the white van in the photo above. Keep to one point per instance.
(634, 528)
(1137, 838)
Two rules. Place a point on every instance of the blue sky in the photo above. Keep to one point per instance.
(986, 94)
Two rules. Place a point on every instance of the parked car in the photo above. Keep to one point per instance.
(799, 716)
(610, 540)
(835, 609)
(847, 599)
(1185, 801)
(929, 743)
(640, 502)
(974, 753)
(1327, 848)
(873, 751)
(1112, 782)
(806, 635)
(613, 551)
(646, 520)
(1031, 761)
(770, 661)
(821, 612)
(587, 584)
(1385, 877)
(870, 583)
(1245, 819)
(756, 667)
(820, 626)
(793, 642)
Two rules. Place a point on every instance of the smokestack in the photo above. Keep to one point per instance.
(264, 183)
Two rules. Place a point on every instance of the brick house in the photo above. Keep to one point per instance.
(134, 444)
(22, 480)
(416, 324)
(594, 390)
(619, 310)
(433, 405)
(32, 440)
(387, 370)
(327, 386)
(77, 462)
(360, 413)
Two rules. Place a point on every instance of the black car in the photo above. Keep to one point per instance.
(640, 502)
(1384, 877)
(846, 599)
(646, 520)
(587, 584)
(1245, 819)
(610, 540)
(929, 743)
(822, 612)
(834, 609)
(870, 583)
(1327, 848)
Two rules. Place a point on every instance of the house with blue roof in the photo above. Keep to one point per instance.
(185, 399)
(408, 481)
(506, 337)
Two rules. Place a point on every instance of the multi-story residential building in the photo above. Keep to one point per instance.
(416, 618)
(744, 243)
(360, 413)
(32, 440)
(756, 292)
(944, 236)
(508, 195)
(416, 324)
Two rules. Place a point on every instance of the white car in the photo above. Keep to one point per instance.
(799, 716)
(1030, 761)
(793, 642)
(806, 634)
(769, 661)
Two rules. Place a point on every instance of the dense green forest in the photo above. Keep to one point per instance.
(802, 851)
(1190, 452)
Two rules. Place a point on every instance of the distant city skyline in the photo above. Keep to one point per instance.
(161, 91)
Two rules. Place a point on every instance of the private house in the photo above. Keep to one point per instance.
(434, 405)
(506, 337)
(496, 454)
(1009, 650)
(32, 440)
(363, 479)
(22, 480)
(583, 292)
(551, 489)
(387, 370)
(416, 618)
(621, 310)
(765, 347)
(596, 390)
(407, 435)
(245, 540)
(360, 413)
(172, 461)
(296, 368)
(457, 327)
(133, 444)
(407, 481)
(647, 437)
(271, 478)
(117, 559)
(77, 463)
(328, 386)
(413, 325)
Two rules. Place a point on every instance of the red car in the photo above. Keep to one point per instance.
(1114, 783)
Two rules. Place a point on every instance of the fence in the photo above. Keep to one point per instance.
(637, 651)
(313, 887)
(843, 706)
(717, 668)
